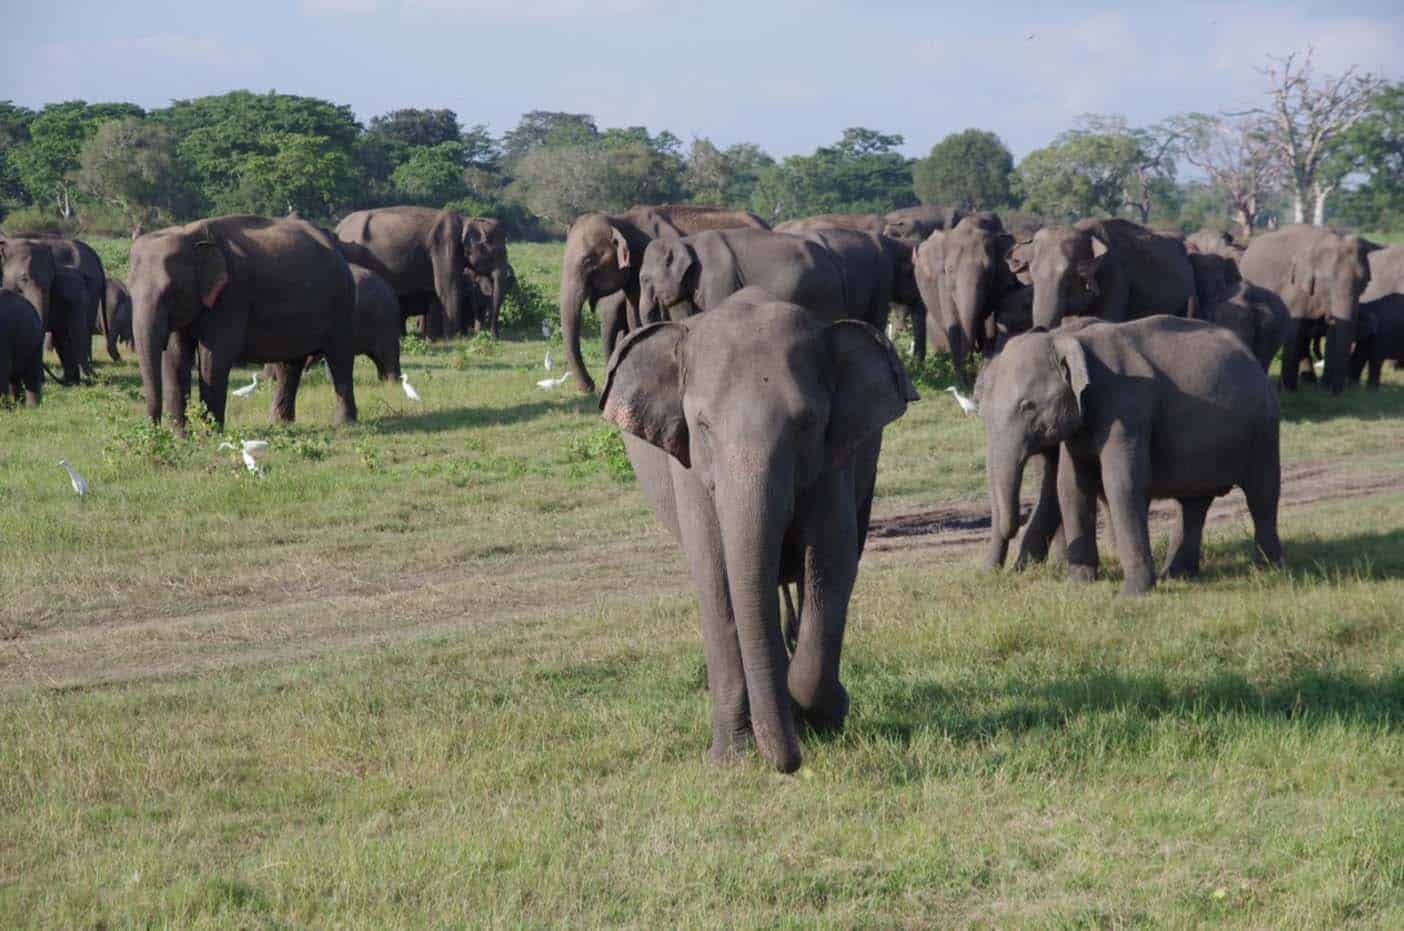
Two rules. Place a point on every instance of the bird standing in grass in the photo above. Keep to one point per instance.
(546, 384)
(248, 389)
(548, 360)
(966, 404)
(409, 389)
(80, 484)
(247, 450)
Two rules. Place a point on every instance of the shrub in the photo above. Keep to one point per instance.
(39, 220)
(526, 305)
(603, 448)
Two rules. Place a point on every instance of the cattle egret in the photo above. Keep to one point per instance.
(548, 360)
(546, 384)
(246, 451)
(80, 484)
(248, 389)
(966, 405)
(1319, 365)
(409, 389)
(545, 329)
(327, 365)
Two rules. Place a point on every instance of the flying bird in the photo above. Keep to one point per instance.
(246, 451)
(546, 384)
(409, 389)
(248, 389)
(966, 405)
(80, 484)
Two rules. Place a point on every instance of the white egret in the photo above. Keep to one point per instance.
(80, 484)
(545, 329)
(548, 360)
(409, 389)
(246, 451)
(248, 389)
(546, 384)
(966, 404)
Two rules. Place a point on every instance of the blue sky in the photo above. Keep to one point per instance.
(789, 75)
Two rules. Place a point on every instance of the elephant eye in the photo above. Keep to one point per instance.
(1027, 406)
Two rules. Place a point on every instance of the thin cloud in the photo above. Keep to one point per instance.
(324, 7)
(513, 10)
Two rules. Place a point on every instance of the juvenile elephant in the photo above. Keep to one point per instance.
(601, 266)
(21, 349)
(1160, 407)
(1256, 315)
(681, 277)
(1320, 275)
(754, 430)
(118, 322)
(58, 294)
(422, 253)
(964, 279)
(1113, 269)
(243, 289)
(917, 223)
(1380, 337)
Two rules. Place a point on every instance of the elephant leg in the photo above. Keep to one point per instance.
(1187, 539)
(1077, 501)
(284, 408)
(614, 321)
(1377, 361)
(1293, 345)
(1263, 491)
(214, 382)
(830, 569)
(433, 322)
(1338, 342)
(1125, 480)
(176, 364)
(341, 360)
(917, 317)
(1045, 521)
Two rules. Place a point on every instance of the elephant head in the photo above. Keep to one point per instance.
(668, 280)
(1332, 273)
(758, 399)
(175, 276)
(1064, 266)
(28, 269)
(1215, 276)
(601, 257)
(1031, 399)
(974, 278)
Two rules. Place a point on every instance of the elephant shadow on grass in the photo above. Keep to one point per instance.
(1366, 556)
(459, 417)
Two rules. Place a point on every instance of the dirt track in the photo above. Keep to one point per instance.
(297, 624)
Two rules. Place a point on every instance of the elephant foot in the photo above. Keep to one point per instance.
(1137, 585)
(1082, 574)
(826, 714)
(729, 749)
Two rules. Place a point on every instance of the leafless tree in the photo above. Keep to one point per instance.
(1238, 157)
(1304, 122)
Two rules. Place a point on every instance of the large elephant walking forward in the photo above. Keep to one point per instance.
(601, 266)
(754, 430)
(243, 289)
(1320, 275)
(965, 280)
(1154, 408)
(423, 253)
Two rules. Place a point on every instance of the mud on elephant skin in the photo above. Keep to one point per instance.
(1155, 408)
(754, 430)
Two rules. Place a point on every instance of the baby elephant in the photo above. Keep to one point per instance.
(1380, 337)
(754, 430)
(21, 349)
(1161, 407)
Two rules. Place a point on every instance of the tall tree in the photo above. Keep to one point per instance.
(415, 127)
(1305, 122)
(547, 129)
(1374, 150)
(431, 175)
(130, 164)
(1238, 158)
(46, 164)
(1101, 167)
(14, 133)
(861, 173)
(969, 169)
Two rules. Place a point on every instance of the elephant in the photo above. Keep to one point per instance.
(422, 253)
(1113, 269)
(862, 222)
(84, 260)
(118, 312)
(21, 349)
(1386, 273)
(601, 266)
(1380, 337)
(1160, 407)
(916, 223)
(682, 277)
(1213, 242)
(872, 266)
(1256, 315)
(59, 295)
(244, 289)
(964, 278)
(1320, 275)
(754, 430)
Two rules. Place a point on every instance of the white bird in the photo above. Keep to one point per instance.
(246, 451)
(327, 366)
(248, 389)
(966, 405)
(547, 384)
(1319, 364)
(409, 389)
(548, 360)
(891, 330)
(545, 329)
(80, 484)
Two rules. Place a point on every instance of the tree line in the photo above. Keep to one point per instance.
(1319, 148)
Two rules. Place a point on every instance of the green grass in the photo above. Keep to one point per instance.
(442, 668)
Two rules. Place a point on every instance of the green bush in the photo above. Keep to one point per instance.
(526, 305)
(600, 449)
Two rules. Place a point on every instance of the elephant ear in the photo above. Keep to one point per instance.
(643, 393)
(1088, 268)
(622, 256)
(870, 387)
(1071, 359)
(211, 274)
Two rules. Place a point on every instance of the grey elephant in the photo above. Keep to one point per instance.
(1160, 407)
(241, 289)
(1386, 273)
(964, 279)
(874, 266)
(681, 277)
(1380, 337)
(1113, 269)
(59, 295)
(916, 223)
(754, 430)
(1214, 242)
(83, 260)
(377, 324)
(862, 222)
(1320, 275)
(422, 253)
(1255, 315)
(118, 313)
(601, 267)
(21, 349)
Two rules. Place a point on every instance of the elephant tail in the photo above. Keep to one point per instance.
(51, 374)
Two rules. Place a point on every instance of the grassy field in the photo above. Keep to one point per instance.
(442, 668)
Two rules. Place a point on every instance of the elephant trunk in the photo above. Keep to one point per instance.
(150, 334)
(573, 296)
(648, 303)
(1338, 343)
(971, 293)
(1046, 312)
(499, 288)
(753, 523)
(1005, 468)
